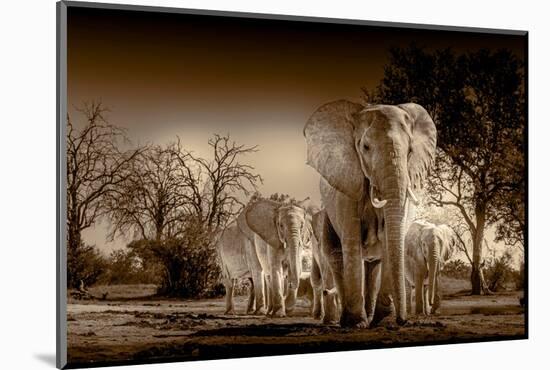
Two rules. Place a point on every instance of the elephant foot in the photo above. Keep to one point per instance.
(316, 314)
(327, 320)
(380, 313)
(278, 313)
(229, 312)
(250, 311)
(400, 321)
(330, 317)
(350, 320)
(259, 311)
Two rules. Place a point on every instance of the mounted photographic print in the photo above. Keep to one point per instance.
(236, 185)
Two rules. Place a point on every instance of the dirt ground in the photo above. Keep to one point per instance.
(130, 327)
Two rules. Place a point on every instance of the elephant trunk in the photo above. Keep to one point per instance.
(433, 267)
(395, 217)
(295, 270)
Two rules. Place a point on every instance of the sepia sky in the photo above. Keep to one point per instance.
(167, 75)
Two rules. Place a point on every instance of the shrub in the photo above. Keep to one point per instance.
(190, 267)
(499, 273)
(125, 267)
(84, 264)
(456, 269)
(519, 278)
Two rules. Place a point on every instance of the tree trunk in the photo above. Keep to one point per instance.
(477, 237)
(74, 240)
(475, 279)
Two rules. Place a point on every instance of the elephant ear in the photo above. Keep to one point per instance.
(451, 241)
(329, 135)
(243, 225)
(413, 240)
(261, 218)
(423, 143)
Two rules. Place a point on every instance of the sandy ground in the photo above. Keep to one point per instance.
(136, 330)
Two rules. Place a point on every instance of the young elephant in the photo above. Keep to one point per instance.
(239, 259)
(427, 248)
(284, 227)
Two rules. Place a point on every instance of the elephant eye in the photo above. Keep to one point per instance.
(366, 147)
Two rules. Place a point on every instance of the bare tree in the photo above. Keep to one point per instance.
(96, 165)
(153, 199)
(169, 184)
(175, 203)
(225, 179)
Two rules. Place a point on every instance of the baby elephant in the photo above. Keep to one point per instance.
(427, 248)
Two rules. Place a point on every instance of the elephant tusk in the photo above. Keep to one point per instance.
(412, 196)
(376, 203)
(329, 292)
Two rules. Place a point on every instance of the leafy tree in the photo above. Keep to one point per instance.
(477, 101)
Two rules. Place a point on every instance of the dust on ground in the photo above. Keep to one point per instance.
(131, 326)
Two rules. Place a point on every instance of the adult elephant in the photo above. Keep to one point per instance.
(284, 227)
(427, 248)
(371, 159)
(243, 254)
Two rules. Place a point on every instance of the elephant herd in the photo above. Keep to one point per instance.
(366, 253)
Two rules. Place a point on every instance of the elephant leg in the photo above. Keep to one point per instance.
(317, 286)
(258, 291)
(229, 286)
(330, 301)
(384, 303)
(277, 281)
(426, 300)
(250, 305)
(419, 290)
(268, 295)
(419, 294)
(347, 266)
(373, 275)
(353, 302)
(437, 299)
(291, 295)
(408, 289)
(335, 266)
